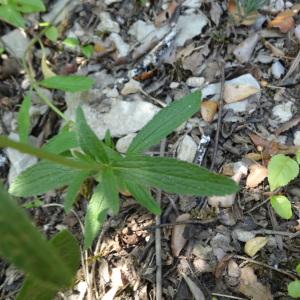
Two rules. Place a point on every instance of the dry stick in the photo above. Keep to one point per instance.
(293, 67)
(219, 115)
(158, 238)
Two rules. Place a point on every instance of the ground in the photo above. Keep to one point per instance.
(146, 54)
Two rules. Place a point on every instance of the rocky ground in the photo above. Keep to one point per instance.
(146, 54)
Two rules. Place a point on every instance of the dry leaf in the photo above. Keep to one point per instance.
(237, 92)
(275, 51)
(178, 240)
(254, 245)
(284, 21)
(257, 175)
(250, 287)
(208, 110)
(166, 15)
(195, 290)
(239, 16)
(47, 72)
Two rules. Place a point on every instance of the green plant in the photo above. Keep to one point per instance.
(87, 50)
(281, 170)
(49, 266)
(294, 286)
(64, 165)
(247, 7)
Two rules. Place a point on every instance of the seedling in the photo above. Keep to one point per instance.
(294, 286)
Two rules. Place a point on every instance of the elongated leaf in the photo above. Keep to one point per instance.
(174, 176)
(88, 140)
(298, 156)
(10, 15)
(281, 170)
(27, 6)
(41, 178)
(143, 197)
(72, 83)
(23, 245)
(68, 250)
(164, 122)
(74, 189)
(95, 216)
(282, 206)
(24, 120)
(110, 189)
(62, 142)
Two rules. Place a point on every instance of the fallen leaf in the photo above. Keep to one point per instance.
(251, 287)
(195, 290)
(47, 72)
(178, 240)
(284, 21)
(237, 92)
(208, 110)
(254, 245)
(244, 50)
(275, 51)
(166, 15)
(257, 175)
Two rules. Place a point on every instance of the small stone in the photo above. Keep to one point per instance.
(208, 110)
(174, 85)
(140, 30)
(16, 43)
(277, 69)
(187, 149)
(233, 269)
(297, 138)
(204, 252)
(131, 87)
(124, 142)
(107, 24)
(109, 2)
(244, 50)
(226, 217)
(195, 81)
(243, 235)
(297, 33)
(122, 47)
(283, 112)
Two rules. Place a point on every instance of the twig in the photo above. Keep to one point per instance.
(256, 206)
(275, 232)
(158, 239)
(293, 67)
(219, 115)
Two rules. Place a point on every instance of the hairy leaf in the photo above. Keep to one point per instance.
(110, 189)
(281, 170)
(174, 176)
(95, 215)
(24, 120)
(72, 83)
(282, 206)
(41, 178)
(9, 15)
(143, 197)
(164, 122)
(62, 142)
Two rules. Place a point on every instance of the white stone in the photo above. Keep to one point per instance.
(192, 3)
(187, 149)
(131, 87)
(122, 47)
(297, 138)
(243, 235)
(195, 81)
(109, 2)
(174, 85)
(16, 43)
(237, 107)
(124, 142)
(244, 50)
(189, 26)
(107, 24)
(140, 30)
(277, 69)
(283, 112)
(297, 33)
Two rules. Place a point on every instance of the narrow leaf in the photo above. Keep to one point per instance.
(41, 178)
(88, 140)
(95, 216)
(282, 206)
(31, 6)
(298, 156)
(174, 176)
(9, 15)
(71, 42)
(24, 120)
(143, 197)
(73, 190)
(281, 170)
(164, 122)
(72, 83)
(62, 142)
(23, 245)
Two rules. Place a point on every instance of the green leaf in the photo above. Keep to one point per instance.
(281, 170)
(87, 50)
(174, 176)
(72, 83)
(9, 15)
(110, 189)
(23, 245)
(73, 190)
(68, 249)
(41, 178)
(33, 204)
(298, 269)
(88, 141)
(294, 289)
(26, 6)
(143, 197)
(282, 206)
(62, 142)
(24, 120)
(108, 140)
(164, 122)
(298, 156)
(71, 42)
(52, 33)
(1, 50)
(95, 216)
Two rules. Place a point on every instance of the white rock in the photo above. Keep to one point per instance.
(16, 42)
(141, 30)
(243, 235)
(195, 81)
(109, 2)
(2, 160)
(192, 3)
(237, 107)
(131, 87)
(122, 47)
(297, 33)
(264, 58)
(297, 138)
(283, 112)
(174, 85)
(244, 50)
(189, 27)
(187, 149)
(107, 24)
(124, 142)
(19, 161)
(277, 69)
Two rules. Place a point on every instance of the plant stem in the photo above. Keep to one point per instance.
(71, 163)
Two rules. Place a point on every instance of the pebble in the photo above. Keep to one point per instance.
(297, 138)
(283, 112)
(107, 24)
(16, 43)
(131, 87)
(122, 47)
(195, 81)
(109, 2)
(187, 149)
(277, 69)
(297, 33)
(124, 142)
(208, 110)
(174, 85)
(243, 235)
(244, 50)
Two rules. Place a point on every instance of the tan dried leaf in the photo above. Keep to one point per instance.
(178, 240)
(284, 21)
(208, 110)
(254, 245)
(237, 92)
(257, 175)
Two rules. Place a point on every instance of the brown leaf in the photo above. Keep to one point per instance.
(166, 15)
(284, 21)
(178, 240)
(237, 92)
(257, 175)
(208, 110)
